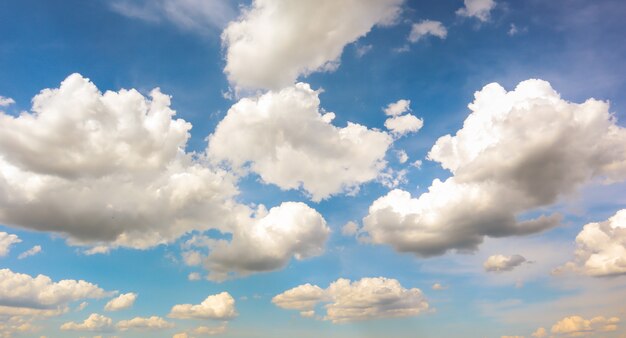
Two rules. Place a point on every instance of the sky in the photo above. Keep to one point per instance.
(275, 168)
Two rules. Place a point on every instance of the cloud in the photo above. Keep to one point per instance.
(199, 16)
(601, 248)
(201, 331)
(94, 322)
(275, 41)
(140, 323)
(499, 263)
(402, 156)
(266, 242)
(425, 28)
(194, 276)
(288, 140)
(22, 290)
(576, 326)
(517, 151)
(220, 307)
(479, 9)
(30, 252)
(121, 302)
(346, 301)
(398, 123)
(6, 241)
(439, 287)
(398, 108)
(540, 333)
(118, 159)
(6, 101)
(349, 229)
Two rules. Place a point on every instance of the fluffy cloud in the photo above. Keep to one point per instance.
(6, 241)
(576, 326)
(266, 242)
(220, 306)
(21, 290)
(400, 123)
(500, 263)
(276, 41)
(439, 287)
(398, 108)
(30, 252)
(121, 302)
(118, 159)
(200, 16)
(346, 301)
(517, 151)
(427, 27)
(94, 322)
(289, 141)
(540, 333)
(140, 323)
(6, 101)
(480, 9)
(601, 248)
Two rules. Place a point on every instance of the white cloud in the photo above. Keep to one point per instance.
(201, 331)
(288, 140)
(480, 9)
(6, 101)
(220, 306)
(199, 16)
(601, 248)
(576, 326)
(81, 306)
(402, 156)
(346, 301)
(499, 263)
(118, 158)
(6, 241)
(95, 322)
(30, 252)
(194, 276)
(402, 125)
(425, 28)
(517, 151)
(349, 229)
(398, 108)
(276, 41)
(439, 287)
(21, 290)
(267, 241)
(141, 323)
(362, 50)
(540, 333)
(121, 302)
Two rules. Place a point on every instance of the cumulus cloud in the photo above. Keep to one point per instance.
(6, 101)
(398, 108)
(118, 159)
(499, 263)
(480, 9)
(121, 302)
(439, 287)
(400, 123)
(601, 248)
(220, 306)
(266, 242)
(346, 301)
(540, 333)
(275, 41)
(349, 229)
(576, 326)
(402, 156)
(40, 292)
(199, 16)
(288, 140)
(141, 323)
(517, 151)
(30, 252)
(427, 27)
(94, 322)
(6, 241)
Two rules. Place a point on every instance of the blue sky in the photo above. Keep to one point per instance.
(70, 188)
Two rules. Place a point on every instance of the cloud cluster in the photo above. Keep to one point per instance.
(275, 41)
(499, 263)
(427, 27)
(121, 302)
(479, 9)
(577, 326)
(6, 242)
(601, 248)
(117, 158)
(346, 301)
(95, 322)
(220, 307)
(517, 151)
(141, 323)
(287, 139)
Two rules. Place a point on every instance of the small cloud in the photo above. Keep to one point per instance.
(425, 28)
(350, 229)
(439, 287)
(402, 156)
(479, 9)
(500, 263)
(6, 101)
(30, 252)
(194, 276)
(362, 50)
